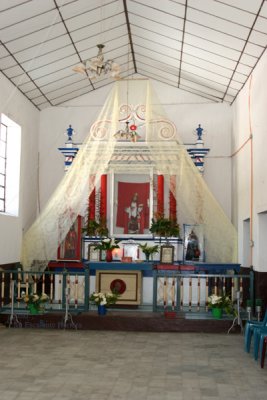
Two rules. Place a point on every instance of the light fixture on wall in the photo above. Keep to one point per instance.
(96, 66)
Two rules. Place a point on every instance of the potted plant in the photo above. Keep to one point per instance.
(108, 244)
(148, 250)
(35, 302)
(220, 304)
(95, 228)
(103, 300)
(164, 227)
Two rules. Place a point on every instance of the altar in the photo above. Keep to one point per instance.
(133, 195)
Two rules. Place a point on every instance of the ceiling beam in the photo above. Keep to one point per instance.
(182, 44)
(242, 52)
(72, 42)
(129, 33)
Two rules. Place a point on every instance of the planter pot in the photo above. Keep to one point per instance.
(33, 309)
(108, 255)
(102, 310)
(217, 312)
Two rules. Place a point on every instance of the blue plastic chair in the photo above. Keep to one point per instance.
(249, 330)
(262, 353)
(259, 335)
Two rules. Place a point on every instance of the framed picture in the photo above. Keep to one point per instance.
(93, 254)
(166, 254)
(194, 243)
(103, 255)
(131, 250)
(132, 198)
(127, 283)
(70, 248)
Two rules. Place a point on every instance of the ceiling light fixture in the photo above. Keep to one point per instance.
(96, 66)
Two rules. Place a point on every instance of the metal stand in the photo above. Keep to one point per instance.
(13, 319)
(68, 316)
(237, 320)
(258, 312)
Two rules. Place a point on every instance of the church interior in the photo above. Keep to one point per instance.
(133, 193)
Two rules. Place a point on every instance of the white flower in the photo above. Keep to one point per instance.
(35, 298)
(214, 299)
(103, 302)
(44, 297)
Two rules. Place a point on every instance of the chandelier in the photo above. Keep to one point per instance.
(96, 66)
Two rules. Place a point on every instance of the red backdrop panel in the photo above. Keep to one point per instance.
(126, 192)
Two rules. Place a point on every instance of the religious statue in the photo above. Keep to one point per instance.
(70, 133)
(199, 132)
(70, 243)
(192, 250)
(134, 212)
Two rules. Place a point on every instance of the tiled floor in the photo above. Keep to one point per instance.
(103, 365)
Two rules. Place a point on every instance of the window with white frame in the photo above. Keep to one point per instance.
(10, 145)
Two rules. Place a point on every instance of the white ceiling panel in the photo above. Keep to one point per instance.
(207, 47)
(25, 11)
(84, 6)
(7, 62)
(258, 38)
(150, 27)
(207, 65)
(261, 24)
(71, 95)
(253, 50)
(49, 58)
(13, 32)
(222, 38)
(217, 24)
(27, 87)
(248, 60)
(170, 7)
(207, 55)
(223, 11)
(58, 84)
(42, 49)
(198, 92)
(205, 74)
(170, 73)
(6, 4)
(39, 37)
(158, 53)
(240, 78)
(20, 80)
(158, 78)
(154, 14)
(187, 80)
(32, 94)
(263, 11)
(245, 5)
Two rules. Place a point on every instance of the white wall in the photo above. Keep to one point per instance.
(184, 109)
(19, 109)
(243, 114)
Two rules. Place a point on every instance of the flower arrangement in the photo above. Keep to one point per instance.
(107, 244)
(223, 302)
(148, 250)
(95, 228)
(104, 299)
(35, 300)
(164, 227)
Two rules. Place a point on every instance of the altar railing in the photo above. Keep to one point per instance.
(189, 292)
(61, 287)
(172, 290)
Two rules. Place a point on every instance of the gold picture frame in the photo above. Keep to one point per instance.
(166, 254)
(93, 254)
